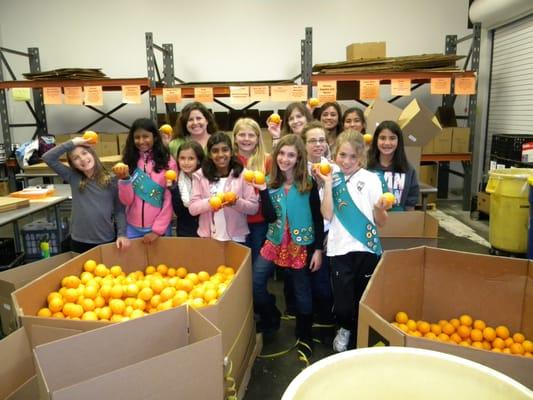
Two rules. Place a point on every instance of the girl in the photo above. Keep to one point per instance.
(190, 157)
(316, 144)
(195, 123)
(353, 119)
(330, 114)
(294, 239)
(95, 204)
(249, 147)
(142, 187)
(221, 172)
(388, 160)
(294, 119)
(354, 205)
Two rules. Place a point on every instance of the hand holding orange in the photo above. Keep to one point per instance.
(248, 175)
(275, 119)
(313, 102)
(389, 198)
(216, 203)
(121, 170)
(91, 137)
(367, 137)
(171, 175)
(166, 129)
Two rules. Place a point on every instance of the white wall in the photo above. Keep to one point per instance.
(213, 40)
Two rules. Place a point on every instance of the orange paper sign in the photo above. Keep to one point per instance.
(203, 94)
(172, 95)
(327, 91)
(369, 88)
(298, 93)
(259, 93)
(400, 87)
(239, 94)
(94, 96)
(441, 85)
(280, 93)
(131, 94)
(73, 95)
(52, 95)
(465, 85)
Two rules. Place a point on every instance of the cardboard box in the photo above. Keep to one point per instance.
(483, 202)
(461, 140)
(17, 371)
(429, 148)
(229, 314)
(107, 144)
(167, 354)
(418, 124)
(14, 278)
(414, 154)
(357, 51)
(433, 284)
(380, 110)
(122, 137)
(405, 229)
(442, 143)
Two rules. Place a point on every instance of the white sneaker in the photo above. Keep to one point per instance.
(340, 343)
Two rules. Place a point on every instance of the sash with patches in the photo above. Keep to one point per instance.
(147, 189)
(351, 218)
(385, 189)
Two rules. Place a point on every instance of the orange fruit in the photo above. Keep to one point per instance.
(168, 293)
(496, 350)
(259, 177)
(185, 284)
(367, 137)
(155, 300)
(215, 203)
(115, 270)
(105, 291)
(44, 312)
(528, 346)
(117, 306)
(389, 198)
(76, 311)
(86, 277)
(101, 270)
(197, 303)
(70, 295)
(132, 290)
(456, 338)
(89, 316)
(479, 324)
(149, 270)
(448, 328)
(506, 350)
(210, 294)
(503, 332)
(182, 272)
(464, 343)
(171, 273)
(528, 354)
(313, 102)
(416, 333)
(442, 322)
(89, 265)
(116, 318)
(137, 314)
(508, 342)
(58, 315)
(91, 137)
(157, 285)
(230, 197)
(197, 292)
(455, 322)
(519, 337)
(275, 119)
(401, 317)
(325, 168)
(162, 269)
(486, 345)
(489, 334)
(430, 335)
(516, 348)
(476, 335)
(116, 292)
(248, 175)
(179, 298)
(90, 292)
(498, 343)
(436, 329)
(146, 294)
(99, 301)
(203, 276)
(423, 327)
(53, 295)
(193, 277)
(88, 304)
(464, 331)
(411, 324)
(166, 129)
(477, 345)
(466, 320)
(443, 337)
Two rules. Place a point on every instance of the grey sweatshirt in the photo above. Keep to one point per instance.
(95, 210)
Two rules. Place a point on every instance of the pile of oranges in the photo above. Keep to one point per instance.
(465, 331)
(100, 293)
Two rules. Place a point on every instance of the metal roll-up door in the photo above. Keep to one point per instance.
(511, 88)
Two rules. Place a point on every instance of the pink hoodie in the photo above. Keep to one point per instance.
(139, 213)
(236, 224)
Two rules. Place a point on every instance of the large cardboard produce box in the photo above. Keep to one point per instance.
(418, 124)
(15, 278)
(461, 140)
(171, 354)
(433, 284)
(380, 110)
(17, 372)
(357, 51)
(230, 314)
(405, 229)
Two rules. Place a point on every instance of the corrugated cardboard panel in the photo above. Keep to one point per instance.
(16, 362)
(29, 390)
(418, 124)
(379, 111)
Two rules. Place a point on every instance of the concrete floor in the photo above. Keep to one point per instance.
(271, 376)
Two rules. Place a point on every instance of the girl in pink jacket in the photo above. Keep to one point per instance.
(143, 189)
(219, 196)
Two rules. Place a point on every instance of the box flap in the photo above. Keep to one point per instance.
(418, 124)
(410, 224)
(28, 390)
(379, 111)
(16, 365)
(39, 334)
(104, 350)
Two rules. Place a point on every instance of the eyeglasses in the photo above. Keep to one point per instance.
(317, 141)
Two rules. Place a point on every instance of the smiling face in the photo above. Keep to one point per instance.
(246, 140)
(315, 144)
(220, 153)
(347, 159)
(287, 159)
(83, 160)
(297, 121)
(143, 139)
(187, 161)
(197, 123)
(387, 142)
(329, 118)
(353, 122)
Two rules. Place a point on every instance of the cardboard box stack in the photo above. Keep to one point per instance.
(358, 51)
(433, 284)
(233, 314)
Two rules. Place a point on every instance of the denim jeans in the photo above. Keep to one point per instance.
(256, 238)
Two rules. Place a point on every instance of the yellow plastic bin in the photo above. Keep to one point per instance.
(509, 209)
(402, 373)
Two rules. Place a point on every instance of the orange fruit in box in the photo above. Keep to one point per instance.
(91, 137)
(466, 320)
(171, 272)
(423, 327)
(528, 346)
(436, 329)
(401, 317)
(503, 332)
(464, 331)
(476, 335)
(448, 328)
(519, 337)
(498, 343)
(89, 265)
(53, 295)
(479, 324)
(150, 269)
(489, 333)
(411, 324)
(44, 312)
